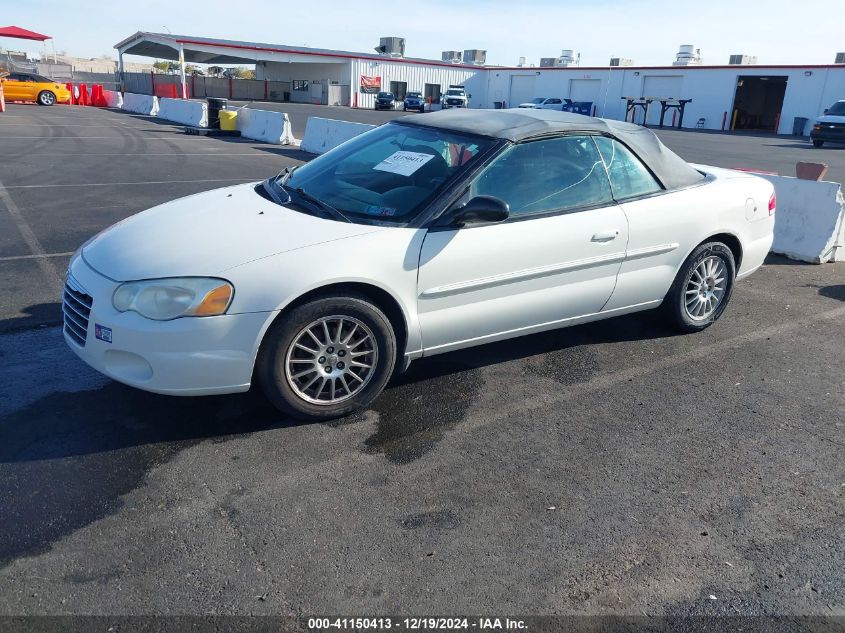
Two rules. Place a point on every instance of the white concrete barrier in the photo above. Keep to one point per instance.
(321, 135)
(264, 125)
(140, 104)
(809, 220)
(113, 98)
(184, 111)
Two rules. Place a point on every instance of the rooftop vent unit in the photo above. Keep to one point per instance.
(621, 61)
(567, 58)
(391, 46)
(687, 55)
(453, 57)
(840, 58)
(475, 57)
(521, 62)
(548, 62)
(742, 60)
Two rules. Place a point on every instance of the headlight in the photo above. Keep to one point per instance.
(165, 299)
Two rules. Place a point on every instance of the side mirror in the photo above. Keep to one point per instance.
(826, 110)
(481, 210)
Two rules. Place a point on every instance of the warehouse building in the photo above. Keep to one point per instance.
(739, 95)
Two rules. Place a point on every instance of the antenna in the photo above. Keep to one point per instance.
(606, 90)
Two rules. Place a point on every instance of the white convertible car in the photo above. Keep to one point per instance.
(424, 235)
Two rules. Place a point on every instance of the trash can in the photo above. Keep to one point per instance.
(497, 105)
(214, 107)
(798, 125)
(228, 120)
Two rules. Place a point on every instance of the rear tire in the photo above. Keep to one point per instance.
(817, 143)
(702, 289)
(46, 98)
(324, 374)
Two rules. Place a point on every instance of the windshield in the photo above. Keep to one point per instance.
(385, 95)
(384, 176)
(459, 93)
(837, 109)
(414, 95)
(538, 100)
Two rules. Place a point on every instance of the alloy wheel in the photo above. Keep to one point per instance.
(705, 288)
(331, 360)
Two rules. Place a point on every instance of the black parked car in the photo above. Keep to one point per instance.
(384, 101)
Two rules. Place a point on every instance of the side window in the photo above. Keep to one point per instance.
(628, 176)
(548, 175)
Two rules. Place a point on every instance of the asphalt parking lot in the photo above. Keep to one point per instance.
(613, 468)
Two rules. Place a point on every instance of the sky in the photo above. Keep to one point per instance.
(647, 31)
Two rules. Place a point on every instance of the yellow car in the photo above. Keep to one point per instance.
(32, 87)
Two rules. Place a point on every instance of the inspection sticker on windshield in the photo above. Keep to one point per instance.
(403, 163)
(102, 332)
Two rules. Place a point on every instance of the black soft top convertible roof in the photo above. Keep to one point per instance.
(520, 124)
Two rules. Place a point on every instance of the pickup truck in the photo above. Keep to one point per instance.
(455, 97)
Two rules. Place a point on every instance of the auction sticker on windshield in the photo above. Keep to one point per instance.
(403, 163)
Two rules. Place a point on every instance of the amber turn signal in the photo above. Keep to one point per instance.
(215, 302)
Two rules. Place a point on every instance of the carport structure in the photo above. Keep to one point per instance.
(313, 73)
(185, 49)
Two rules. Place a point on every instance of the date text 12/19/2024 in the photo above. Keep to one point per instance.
(417, 624)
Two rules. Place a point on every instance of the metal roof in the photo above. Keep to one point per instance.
(520, 124)
(166, 45)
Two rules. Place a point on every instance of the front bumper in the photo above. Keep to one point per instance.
(189, 356)
(828, 133)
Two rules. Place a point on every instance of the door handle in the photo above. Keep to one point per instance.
(605, 236)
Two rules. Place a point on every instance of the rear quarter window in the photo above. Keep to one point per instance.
(629, 178)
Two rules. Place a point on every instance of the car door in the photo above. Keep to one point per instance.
(658, 221)
(29, 88)
(553, 104)
(13, 88)
(554, 259)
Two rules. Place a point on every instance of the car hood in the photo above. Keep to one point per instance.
(831, 118)
(206, 234)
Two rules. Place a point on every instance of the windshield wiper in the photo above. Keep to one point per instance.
(319, 203)
(284, 175)
(273, 192)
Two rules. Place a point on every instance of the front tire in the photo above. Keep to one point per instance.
(817, 143)
(702, 289)
(46, 98)
(327, 358)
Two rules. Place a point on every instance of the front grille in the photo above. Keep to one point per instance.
(454, 101)
(76, 308)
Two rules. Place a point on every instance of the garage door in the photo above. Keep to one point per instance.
(655, 86)
(522, 89)
(584, 89)
(660, 87)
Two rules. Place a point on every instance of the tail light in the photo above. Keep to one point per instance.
(772, 203)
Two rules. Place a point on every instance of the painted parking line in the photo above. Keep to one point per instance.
(175, 137)
(13, 258)
(124, 184)
(2, 124)
(35, 247)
